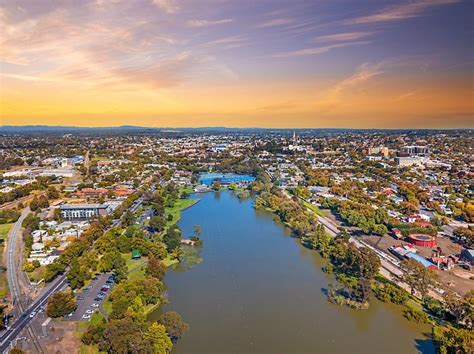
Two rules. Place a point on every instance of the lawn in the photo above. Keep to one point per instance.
(4, 228)
(312, 207)
(175, 211)
(135, 267)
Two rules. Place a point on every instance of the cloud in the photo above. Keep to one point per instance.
(204, 23)
(342, 37)
(317, 50)
(227, 42)
(275, 22)
(364, 73)
(170, 6)
(410, 9)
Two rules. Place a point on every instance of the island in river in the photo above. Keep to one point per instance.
(258, 290)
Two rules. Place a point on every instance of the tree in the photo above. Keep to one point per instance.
(157, 223)
(216, 185)
(52, 193)
(39, 202)
(94, 334)
(461, 308)
(123, 243)
(418, 277)
(58, 215)
(155, 268)
(172, 238)
(156, 333)
(61, 304)
(453, 341)
(120, 336)
(174, 324)
(75, 275)
(128, 219)
(31, 222)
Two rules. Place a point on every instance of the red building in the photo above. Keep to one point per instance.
(422, 240)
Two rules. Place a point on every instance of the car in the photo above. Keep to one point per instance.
(94, 305)
(104, 289)
(70, 314)
(33, 314)
(98, 299)
(106, 286)
(109, 281)
(89, 311)
(80, 298)
(86, 317)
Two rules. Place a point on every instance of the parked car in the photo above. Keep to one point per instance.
(98, 299)
(86, 317)
(80, 298)
(33, 314)
(89, 311)
(95, 305)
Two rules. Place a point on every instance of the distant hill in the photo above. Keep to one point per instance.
(124, 129)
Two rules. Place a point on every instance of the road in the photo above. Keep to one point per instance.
(23, 321)
(60, 283)
(14, 267)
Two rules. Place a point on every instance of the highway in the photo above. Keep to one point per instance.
(7, 337)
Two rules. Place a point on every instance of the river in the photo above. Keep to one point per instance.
(259, 291)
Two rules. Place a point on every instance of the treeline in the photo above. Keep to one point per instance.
(367, 218)
(355, 268)
(7, 162)
(288, 211)
(41, 183)
(9, 215)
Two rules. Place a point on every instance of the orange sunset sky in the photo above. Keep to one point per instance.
(268, 63)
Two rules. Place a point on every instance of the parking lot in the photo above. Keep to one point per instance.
(91, 297)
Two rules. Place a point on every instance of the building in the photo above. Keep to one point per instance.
(405, 161)
(90, 193)
(67, 173)
(84, 211)
(414, 150)
(422, 240)
(426, 263)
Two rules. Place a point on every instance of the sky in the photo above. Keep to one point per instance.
(238, 63)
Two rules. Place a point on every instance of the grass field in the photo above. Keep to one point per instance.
(175, 211)
(312, 207)
(4, 228)
(135, 267)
